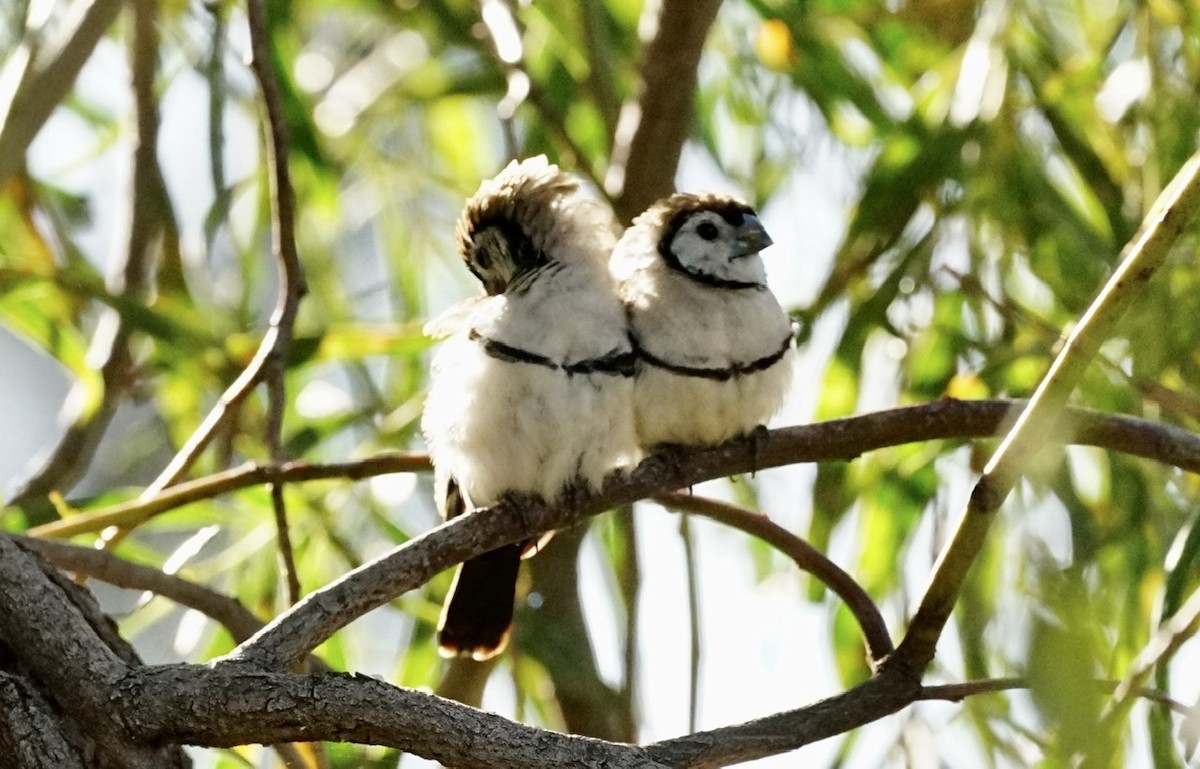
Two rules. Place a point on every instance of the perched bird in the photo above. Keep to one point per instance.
(532, 391)
(716, 349)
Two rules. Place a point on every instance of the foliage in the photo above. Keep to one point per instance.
(975, 167)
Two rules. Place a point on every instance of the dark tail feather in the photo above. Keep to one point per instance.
(477, 616)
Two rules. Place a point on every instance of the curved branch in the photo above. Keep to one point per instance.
(107, 567)
(322, 613)
(291, 275)
(805, 556)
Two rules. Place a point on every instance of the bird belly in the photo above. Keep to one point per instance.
(524, 427)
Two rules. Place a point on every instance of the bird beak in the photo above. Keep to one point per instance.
(750, 237)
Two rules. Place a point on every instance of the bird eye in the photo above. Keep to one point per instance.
(481, 259)
(707, 230)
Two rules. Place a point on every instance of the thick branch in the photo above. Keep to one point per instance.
(55, 641)
(310, 622)
(235, 707)
(31, 734)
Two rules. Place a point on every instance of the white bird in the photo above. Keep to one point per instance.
(716, 350)
(532, 392)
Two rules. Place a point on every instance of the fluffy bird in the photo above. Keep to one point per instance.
(716, 349)
(532, 391)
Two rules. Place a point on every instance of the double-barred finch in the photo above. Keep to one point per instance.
(532, 391)
(716, 349)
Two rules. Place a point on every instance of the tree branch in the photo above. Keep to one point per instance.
(235, 707)
(1180, 627)
(839, 439)
(51, 636)
(960, 691)
(805, 556)
(1175, 208)
(291, 275)
(111, 343)
(145, 507)
(44, 84)
(31, 735)
(322, 613)
(107, 567)
(269, 360)
(653, 126)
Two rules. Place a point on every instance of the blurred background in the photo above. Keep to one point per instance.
(948, 183)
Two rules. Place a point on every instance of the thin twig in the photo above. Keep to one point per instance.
(693, 605)
(805, 556)
(960, 691)
(144, 508)
(629, 582)
(1172, 212)
(271, 355)
(291, 274)
(1170, 636)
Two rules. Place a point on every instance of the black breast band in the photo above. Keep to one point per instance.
(718, 374)
(616, 362)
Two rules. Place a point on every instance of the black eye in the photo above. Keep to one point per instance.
(481, 259)
(707, 230)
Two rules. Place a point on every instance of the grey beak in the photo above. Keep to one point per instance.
(751, 237)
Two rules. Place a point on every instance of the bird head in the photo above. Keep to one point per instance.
(514, 223)
(712, 238)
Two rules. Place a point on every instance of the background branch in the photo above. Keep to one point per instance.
(131, 278)
(251, 474)
(1171, 213)
(107, 567)
(269, 360)
(46, 78)
(654, 124)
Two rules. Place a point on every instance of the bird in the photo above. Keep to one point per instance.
(531, 391)
(716, 350)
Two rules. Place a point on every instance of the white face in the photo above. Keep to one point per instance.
(713, 249)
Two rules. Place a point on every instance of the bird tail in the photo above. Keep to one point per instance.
(477, 616)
